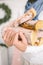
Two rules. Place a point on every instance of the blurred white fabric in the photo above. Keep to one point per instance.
(32, 58)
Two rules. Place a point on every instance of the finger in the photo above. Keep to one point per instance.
(5, 32)
(5, 35)
(6, 39)
(22, 37)
(16, 36)
(8, 36)
(12, 36)
(16, 39)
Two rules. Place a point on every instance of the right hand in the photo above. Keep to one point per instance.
(20, 42)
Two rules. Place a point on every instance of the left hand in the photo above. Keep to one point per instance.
(8, 36)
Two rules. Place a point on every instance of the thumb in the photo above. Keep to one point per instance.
(23, 37)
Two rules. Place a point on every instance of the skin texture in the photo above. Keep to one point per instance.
(20, 44)
(11, 38)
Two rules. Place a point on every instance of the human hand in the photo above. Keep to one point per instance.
(8, 36)
(11, 38)
(20, 41)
